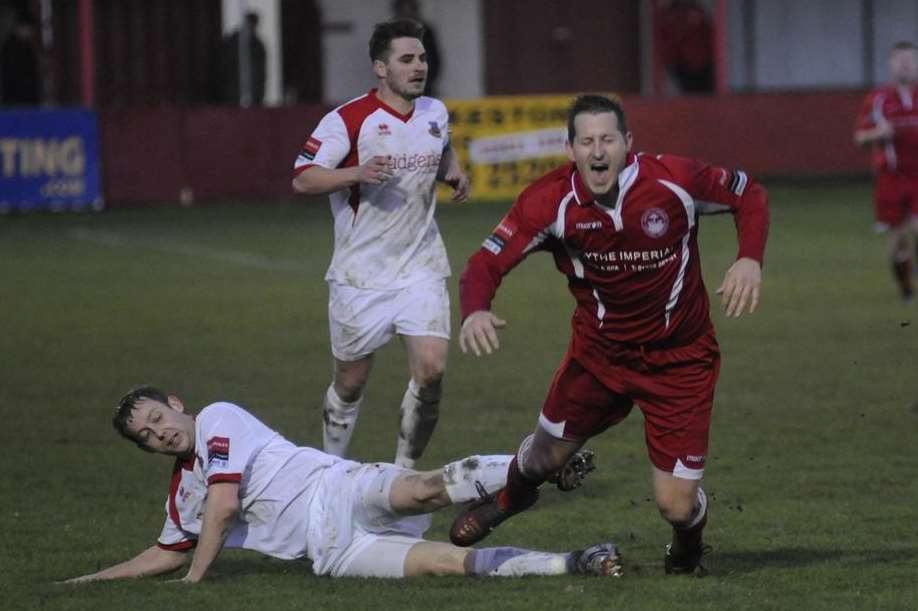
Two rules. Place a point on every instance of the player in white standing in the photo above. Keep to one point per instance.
(379, 157)
(237, 483)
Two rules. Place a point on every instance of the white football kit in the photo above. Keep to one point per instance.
(294, 501)
(386, 237)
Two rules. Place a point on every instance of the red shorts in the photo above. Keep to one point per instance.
(895, 199)
(674, 388)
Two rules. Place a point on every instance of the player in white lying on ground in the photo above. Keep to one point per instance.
(237, 483)
(378, 158)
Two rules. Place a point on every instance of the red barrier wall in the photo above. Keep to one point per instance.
(151, 154)
(790, 134)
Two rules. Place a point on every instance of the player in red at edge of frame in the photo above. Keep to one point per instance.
(889, 122)
(623, 228)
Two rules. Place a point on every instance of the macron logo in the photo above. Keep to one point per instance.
(589, 226)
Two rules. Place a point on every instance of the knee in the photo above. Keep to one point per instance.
(349, 386)
(428, 376)
(677, 508)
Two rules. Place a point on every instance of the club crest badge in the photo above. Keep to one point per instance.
(655, 222)
(435, 130)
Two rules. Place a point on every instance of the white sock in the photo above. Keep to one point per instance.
(340, 418)
(701, 509)
(460, 476)
(515, 562)
(416, 425)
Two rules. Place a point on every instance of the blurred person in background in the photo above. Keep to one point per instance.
(889, 123)
(623, 230)
(238, 484)
(378, 158)
(411, 9)
(685, 36)
(242, 80)
(21, 84)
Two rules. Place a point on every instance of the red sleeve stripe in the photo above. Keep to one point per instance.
(181, 546)
(234, 478)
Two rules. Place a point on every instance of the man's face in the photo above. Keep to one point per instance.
(162, 428)
(599, 150)
(405, 71)
(903, 66)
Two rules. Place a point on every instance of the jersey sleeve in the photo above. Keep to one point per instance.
(173, 538)
(716, 189)
(327, 146)
(231, 438)
(871, 111)
(528, 226)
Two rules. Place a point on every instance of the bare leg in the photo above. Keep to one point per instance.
(342, 403)
(683, 504)
(420, 407)
(899, 251)
(458, 482)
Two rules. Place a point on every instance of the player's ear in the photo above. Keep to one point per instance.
(379, 68)
(176, 404)
(629, 141)
(569, 149)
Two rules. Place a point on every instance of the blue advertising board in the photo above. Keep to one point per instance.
(49, 159)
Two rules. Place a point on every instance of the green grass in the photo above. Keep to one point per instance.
(812, 466)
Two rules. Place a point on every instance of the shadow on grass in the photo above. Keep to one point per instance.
(733, 562)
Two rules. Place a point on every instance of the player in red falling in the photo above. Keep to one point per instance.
(889, 122)
(623, 229)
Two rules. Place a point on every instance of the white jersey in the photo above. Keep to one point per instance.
(385, 235)
(281, 513)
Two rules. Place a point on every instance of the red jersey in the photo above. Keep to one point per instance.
(898, 105)
(632, 268)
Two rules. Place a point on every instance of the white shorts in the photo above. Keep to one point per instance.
(363, 320)
(362, 537)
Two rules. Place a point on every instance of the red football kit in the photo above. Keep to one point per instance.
(641, 328)
(895, 162)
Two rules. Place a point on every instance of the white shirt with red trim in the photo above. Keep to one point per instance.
(386, 236)
(278, 485)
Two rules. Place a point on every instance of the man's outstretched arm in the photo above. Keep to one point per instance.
(220, 513)
(152, 561)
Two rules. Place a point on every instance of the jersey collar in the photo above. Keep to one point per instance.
(625, 179)
(404, 118)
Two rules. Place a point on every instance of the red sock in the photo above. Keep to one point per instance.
(902, 270)
(519, 491)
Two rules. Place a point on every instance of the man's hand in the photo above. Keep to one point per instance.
(461, 185)
(740, 287)
(884, 130)
(479, 333)
(376, 171)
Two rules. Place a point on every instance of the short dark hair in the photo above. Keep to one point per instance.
(125, 409)
(385, 33)
(594, 105)
(904, 45)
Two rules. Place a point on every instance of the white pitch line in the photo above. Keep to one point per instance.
(242, 259)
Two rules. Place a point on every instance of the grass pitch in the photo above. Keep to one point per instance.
(811, 472)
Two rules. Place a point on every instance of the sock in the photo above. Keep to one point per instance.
(340, 418)
(461, 477)
(689, 536)
(520, 489)
(902, 271)
(418, 417)
(514, 562)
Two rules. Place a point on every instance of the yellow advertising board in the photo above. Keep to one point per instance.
(506, 142)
